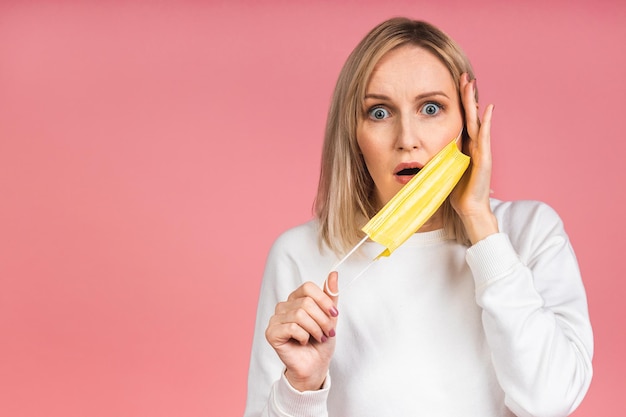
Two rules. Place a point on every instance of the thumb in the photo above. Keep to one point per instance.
(331, 285)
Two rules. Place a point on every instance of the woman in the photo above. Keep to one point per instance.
(482, 312)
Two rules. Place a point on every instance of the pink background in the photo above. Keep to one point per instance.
(150, 152)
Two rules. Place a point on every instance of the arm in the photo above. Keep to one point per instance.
(534, 312)
(534, 304)
(270, 392)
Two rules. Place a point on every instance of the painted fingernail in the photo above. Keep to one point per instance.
(334, 312)
(331, 333)
(324, 338)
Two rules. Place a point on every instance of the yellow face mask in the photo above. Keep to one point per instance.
(418, 200)
(413, 205)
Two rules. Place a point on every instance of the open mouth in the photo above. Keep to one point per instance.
(408, 171)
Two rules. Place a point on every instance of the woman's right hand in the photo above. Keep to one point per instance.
(302, 332)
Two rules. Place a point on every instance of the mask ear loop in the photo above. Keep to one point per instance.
(459, 136)
(334, 268)
(335, 294)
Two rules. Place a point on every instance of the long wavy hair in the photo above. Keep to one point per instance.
(345, 201)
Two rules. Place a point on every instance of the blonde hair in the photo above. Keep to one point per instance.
(344, 201)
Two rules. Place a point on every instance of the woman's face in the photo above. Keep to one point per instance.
(411, 111)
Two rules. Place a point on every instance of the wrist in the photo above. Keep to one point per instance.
(312, 383)
(480, 226)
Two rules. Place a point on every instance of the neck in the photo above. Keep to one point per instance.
(434, 223)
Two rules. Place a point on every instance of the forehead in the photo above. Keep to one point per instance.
(410, 66)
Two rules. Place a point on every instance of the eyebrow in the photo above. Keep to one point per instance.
(418, 97)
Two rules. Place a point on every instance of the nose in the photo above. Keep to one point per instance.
(407, 135)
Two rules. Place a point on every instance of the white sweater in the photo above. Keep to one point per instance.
(439, 329)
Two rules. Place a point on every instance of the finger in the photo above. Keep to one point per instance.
(324, 300)
(308, 289)
(277, 333)
(308, 315)
(487, 116)
(484, 137)
(468, 97)
(331, 286)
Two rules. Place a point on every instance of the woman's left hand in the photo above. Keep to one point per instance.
(470, 198)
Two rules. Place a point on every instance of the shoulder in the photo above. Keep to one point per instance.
(299, 245)
(301, 237)
(531, 225)
(513, 212)
(297, 256)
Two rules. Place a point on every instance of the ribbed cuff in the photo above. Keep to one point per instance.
(491, 259)
(301, 404)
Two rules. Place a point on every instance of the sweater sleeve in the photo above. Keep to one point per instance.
(534, 312)
(269, 392)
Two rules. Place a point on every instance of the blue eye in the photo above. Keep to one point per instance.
(378, 113)
(431, 109)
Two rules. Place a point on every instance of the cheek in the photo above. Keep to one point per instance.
(370, 141)
(368, 149)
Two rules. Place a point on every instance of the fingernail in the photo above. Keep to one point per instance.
(324, 338)
(331, 333)
(334, 312)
